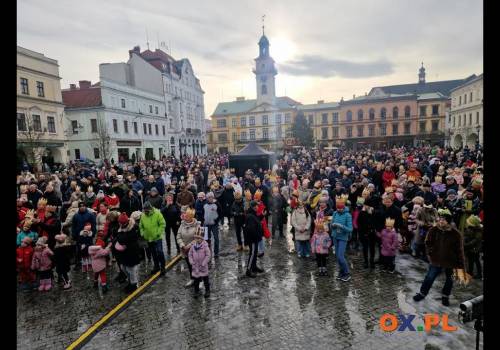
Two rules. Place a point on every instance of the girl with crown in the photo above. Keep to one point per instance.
(320, 245)
(341, 230)
(261, 214)
(389, 246)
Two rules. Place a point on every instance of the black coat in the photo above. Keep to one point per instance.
(129, 237)
(366, 223)
(172, 215)
(130, 204)
(253, 231)
(52, 199)
(62, 258)
(227, 199)
(238, 212)
(384, 213)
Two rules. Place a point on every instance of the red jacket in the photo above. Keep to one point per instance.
(24, 255)
(387, 177)
(260, 213)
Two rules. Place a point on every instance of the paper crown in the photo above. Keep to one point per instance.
(319, 223)
(366, 192)
(389, 222)
(90, 189)
(248, 195)
(42, 202)
(389, 190)
(411, 178)
(341, 198)
(237, 194)
(438, 178)
(189, 214)
(258, 195)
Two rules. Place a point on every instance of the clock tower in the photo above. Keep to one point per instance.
(265, 72)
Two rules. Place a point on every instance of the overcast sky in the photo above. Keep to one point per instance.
(324, 50)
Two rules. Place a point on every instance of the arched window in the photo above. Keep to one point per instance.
(360, 114)
(407, 111)
(264, 89)
(349, 116)
(172, 141)
(383, 113)
(372, 114)
(395, 113)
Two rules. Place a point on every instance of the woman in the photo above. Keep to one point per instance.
(185, 236)
(388, 176)
(172, 214)
(127, 251)
(301, 222)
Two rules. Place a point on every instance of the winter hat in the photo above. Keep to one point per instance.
(404, 209)
(100, 242)
(60, 237)
(210, 195)
(473, 221)
(123, 218)
(136, 215)
(81, 204)
(42, 241)
(451, 191)
(360, 201)
(445, 213)
(154, 189)
(147, 206)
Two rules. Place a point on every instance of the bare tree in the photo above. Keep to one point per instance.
(103, 140)
(30, 132)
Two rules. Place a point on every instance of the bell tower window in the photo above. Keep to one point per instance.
(264, 89)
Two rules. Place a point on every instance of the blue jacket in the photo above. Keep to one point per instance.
(200, 212)
(344, 219)
(79, 221)
(137, 186)
(160, 186)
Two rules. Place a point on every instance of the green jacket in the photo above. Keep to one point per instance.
(152, 226)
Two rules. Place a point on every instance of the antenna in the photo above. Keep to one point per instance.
(147, 38)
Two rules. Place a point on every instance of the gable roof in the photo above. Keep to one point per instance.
(80, 98)
(252, 149)
(318, 106)
(442, 87)
(237, 107)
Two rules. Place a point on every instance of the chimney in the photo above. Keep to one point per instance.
(242, 98)
(136, 49)
(321, 101)
(84, 84)
(72, 86)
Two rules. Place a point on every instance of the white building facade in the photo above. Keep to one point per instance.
(465, 119)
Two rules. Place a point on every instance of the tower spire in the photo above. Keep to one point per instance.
(263, 17)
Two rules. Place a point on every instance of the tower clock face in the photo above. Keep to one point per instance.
(263, 79)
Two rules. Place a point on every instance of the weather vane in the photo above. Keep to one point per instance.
(263, 16)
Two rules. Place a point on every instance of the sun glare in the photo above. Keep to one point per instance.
(282, 49)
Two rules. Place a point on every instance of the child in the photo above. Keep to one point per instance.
(62, 255)
(389, 246)
(320, 243)
(98, 255)
(24, 256)
(301, 222)
(42, 264)
(85, 241)
(198, 206)
(199, 256)
(26, 232)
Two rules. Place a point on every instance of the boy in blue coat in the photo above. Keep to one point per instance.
(341, 230)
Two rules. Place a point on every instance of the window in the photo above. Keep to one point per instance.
(383, 113)
(251, 122)
(156, 109)
(435, 109)
(360, 130)
(459, 100)
(222, 137)
(21, 122)
(407, 112)
(383, 129)
(51, 125)
(278, 132)
(39, 89)
(423, 111)
(407, 128)
(360, 114)
(395, 113)
(335, 118)
(243, 135)
(264, 90)
(235, 123)
(477, 118)
(252, 134)
(265, 120)
(37, 123)
(156, 130)
(125, 126)
(278, 118)
(265, 133)
(96, 153)
(163, 129)
(395, 130)
(348, 116)
(234, 136)
(171, 124)
(221, 123)
(324, 133)
(74, 126)
(123, 103)
(150, 109)
(115, 125)
(324, 118)
(371, 130)
(77, 153)
(348, 131)
(24, 86)
(371, 114)
(169, 106)
(288, 118)
(149, 129)
(422, 126)
(335, 132)
(145, 128)
(435, 125)
(243, 121)
(470, 119)
(311, 119)
(135, 128)
(93, 125)
(465, 98)
(470, 97)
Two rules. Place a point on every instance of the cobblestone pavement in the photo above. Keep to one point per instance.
(288, 307)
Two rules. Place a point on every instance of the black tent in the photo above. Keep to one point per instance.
(252, 156)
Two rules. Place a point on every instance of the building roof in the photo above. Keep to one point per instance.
(431, 96)
(81, 98)
(252, 149)
(237, 107)
(317, 106)
(377, 98)
(470, 81)
(444, 87)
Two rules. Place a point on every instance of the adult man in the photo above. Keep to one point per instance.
(152, 229)
(155, 198)
(445, 249)
(185, 197)
(82, 216)
(253, 234)
(277, 207)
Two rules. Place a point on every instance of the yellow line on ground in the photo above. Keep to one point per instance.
(92, 329)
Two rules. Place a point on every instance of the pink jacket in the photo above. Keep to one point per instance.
(390, 242)
(98, 255)
(199, 258)
(41, 259)
(320, 243)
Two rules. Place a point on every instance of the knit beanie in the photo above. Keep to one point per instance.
(123, 218)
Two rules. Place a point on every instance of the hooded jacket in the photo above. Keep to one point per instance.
(301, 221)
(41, 259)
(344, 231)
(98, 255)
(389, 242)
(445, 248)
(152, 226)
(253, 230)
(199, 256)
(128, 236)
(186, 233)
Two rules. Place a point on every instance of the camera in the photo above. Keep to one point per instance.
(471, 309)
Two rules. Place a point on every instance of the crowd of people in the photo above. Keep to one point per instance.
(424, 201)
